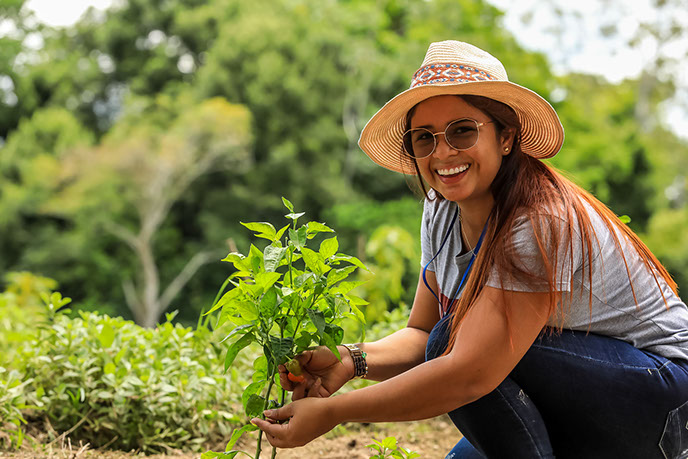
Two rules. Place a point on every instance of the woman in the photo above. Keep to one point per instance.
(541, 323)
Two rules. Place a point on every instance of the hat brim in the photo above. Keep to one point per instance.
(541, 135)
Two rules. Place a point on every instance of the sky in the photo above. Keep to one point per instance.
(577, 46)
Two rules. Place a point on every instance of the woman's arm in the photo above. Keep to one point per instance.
(405, 349)
(386, 357)
(487, 348)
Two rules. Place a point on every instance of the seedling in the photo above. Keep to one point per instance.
(286, 298)
(388, 448)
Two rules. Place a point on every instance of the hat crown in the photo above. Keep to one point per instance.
(480, 64)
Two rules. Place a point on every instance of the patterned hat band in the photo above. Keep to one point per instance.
(449, 73)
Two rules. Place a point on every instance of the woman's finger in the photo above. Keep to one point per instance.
(284, 380)
(273, 431)
(300, 390)
(314, 390)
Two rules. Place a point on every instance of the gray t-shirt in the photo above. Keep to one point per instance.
(650, 325)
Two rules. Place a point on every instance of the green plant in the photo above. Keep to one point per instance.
(285, 298)
(13, 400)
(108, 381)
(388, 448)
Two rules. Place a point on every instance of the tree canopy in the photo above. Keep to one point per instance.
(136, 140)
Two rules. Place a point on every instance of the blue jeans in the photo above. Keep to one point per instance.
(577, 395)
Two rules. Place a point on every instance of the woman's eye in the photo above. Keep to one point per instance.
(461, 130)
(423, 137)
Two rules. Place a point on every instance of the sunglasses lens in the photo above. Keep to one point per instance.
(462, 134)
(419, 142)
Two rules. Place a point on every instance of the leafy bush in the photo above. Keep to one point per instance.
(107, 381)
(21, 308)
(111, 382)
(13, 401)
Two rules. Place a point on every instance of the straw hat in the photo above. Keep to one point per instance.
(454, 67)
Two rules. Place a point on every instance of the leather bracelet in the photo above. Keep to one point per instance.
(359, 358)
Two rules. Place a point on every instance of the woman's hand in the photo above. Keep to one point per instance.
(308, 419)
(319, 365)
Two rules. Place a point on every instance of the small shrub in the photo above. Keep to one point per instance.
(13, 401)
(114, 383)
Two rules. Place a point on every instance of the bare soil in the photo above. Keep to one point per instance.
(431, 439)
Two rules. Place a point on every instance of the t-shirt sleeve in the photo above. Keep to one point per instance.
(426, 234)
(529, 269)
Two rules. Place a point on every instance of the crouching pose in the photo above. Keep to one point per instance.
(541, 323)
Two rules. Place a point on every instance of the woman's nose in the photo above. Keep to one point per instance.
(442, 148)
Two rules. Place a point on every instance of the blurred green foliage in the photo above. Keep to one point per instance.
(280, 89)
(107, 381)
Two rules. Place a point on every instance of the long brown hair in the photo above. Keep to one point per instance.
(526, 187)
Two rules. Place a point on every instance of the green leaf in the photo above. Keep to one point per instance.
(339, 274)
(318, 319)
(236, 330)
(237, 346)
(106, 336)
(356, 300)
(238, 260)
(345, 287)
(268, 303)
(295, 215)
(226, 299)
(255, 405)
(247, 310)
(266, 280)
(287, 203)
(353, 260)
(625, 219)
(260, 368)
(280, 233)
(272, 256)
(298, 237)
(329, 247)
(357, 313)
(314, 261)
(335, 332)
(314, 227)
(255, 259)
(390, 443)
(303, 341)
(253, 388)
(305, 280)
(331, 344)
(261, 229)
(281, 348)
(238, 433)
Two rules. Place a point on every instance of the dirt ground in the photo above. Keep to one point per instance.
(431, 439)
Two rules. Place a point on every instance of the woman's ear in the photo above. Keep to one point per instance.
(507, 137)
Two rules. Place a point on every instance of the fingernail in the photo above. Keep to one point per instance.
(267, 412)
(253, 421)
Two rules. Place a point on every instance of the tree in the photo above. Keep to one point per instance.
(129, 183)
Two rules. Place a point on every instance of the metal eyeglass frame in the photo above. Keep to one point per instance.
(435, 134)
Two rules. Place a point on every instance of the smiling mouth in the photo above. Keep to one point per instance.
(453, 170)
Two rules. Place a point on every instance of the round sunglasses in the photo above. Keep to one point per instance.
(460, 134)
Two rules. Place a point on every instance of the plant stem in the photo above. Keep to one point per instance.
(271, 382)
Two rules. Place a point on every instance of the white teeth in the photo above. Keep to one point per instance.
(453, 170)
